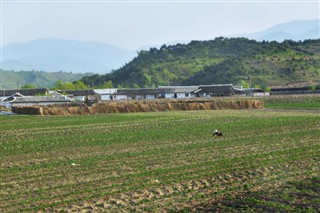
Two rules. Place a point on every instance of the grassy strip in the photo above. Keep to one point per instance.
(294, 105)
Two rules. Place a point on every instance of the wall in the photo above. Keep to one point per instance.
(140, 106)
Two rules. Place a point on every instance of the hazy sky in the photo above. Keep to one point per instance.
(133, 24)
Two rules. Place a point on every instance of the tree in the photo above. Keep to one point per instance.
(57, 84)
(168, 76)
(313, 88)
(244, 84)
(28, 86)
(107, 84)
(146, 80)
(67, 86)
(79, 85)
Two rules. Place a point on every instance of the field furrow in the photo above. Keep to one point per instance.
(144, 162)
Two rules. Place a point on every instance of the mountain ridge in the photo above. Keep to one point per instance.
(222, 60)
(54, 54)
(294, 30)
(39, 79)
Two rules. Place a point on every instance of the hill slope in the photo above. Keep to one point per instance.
(223, 60)
(13, 80)
(52, 55)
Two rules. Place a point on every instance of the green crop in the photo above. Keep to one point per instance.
(159, 161)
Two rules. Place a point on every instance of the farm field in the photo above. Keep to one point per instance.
(267, 160)
(293, 102)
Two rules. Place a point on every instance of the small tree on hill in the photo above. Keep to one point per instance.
(107, 84)
(28, 86)
(313, 88)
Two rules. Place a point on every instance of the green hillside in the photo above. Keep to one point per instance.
(13, 80)
(223, 60)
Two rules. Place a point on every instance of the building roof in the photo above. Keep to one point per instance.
(11, 97)
(39, 99)
(155, 91)
(220, 89)
(293, 88)
(25, 92)
(105, 91)
(79, 92)
(180, 89)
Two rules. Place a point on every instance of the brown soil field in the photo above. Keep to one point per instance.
(2, 108)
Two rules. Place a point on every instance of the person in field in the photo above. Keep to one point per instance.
(216, 133)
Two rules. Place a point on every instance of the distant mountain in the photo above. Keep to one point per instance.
(54, 55)
(294, 30)
(14, 80)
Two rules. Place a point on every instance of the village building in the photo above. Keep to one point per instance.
(24, 92)
(295, 90)
(40, 100)
(256, 92)
(87, 96)
(31, 96)
(215, 90)
(153, 93)
(105, 94)
(28, 97)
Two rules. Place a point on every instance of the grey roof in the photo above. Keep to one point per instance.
(11, 97)
(79, 92)
(38, 99)
(180, 89)
(25, 92)
(220, 89)
(293, 88)
(238, 91)
(105, 91)
(249, 90)
(155, 91)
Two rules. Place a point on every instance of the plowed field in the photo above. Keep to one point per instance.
(267, 160)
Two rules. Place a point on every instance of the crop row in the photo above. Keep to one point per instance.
(114, 159)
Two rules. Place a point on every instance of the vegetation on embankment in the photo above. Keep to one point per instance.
(292, 102)
(239, 61)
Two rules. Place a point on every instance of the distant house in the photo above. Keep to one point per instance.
(178, 91)
(54, 93)
(152, 93)
(295, 90)
(40, 100)
(238, 90)
(30, 96)
(85, 96)
(256, 92)
(139, 93)
(6, 101)
(11, 98)
(84, 92)
(105, 94)
(215, 90)
(25, 92)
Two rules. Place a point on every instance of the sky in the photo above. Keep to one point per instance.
(134, 24)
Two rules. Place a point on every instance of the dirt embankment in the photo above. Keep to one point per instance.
(2, 108)
(140, 106)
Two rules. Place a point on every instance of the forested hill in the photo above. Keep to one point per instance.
(37, 79)
(220, 61)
